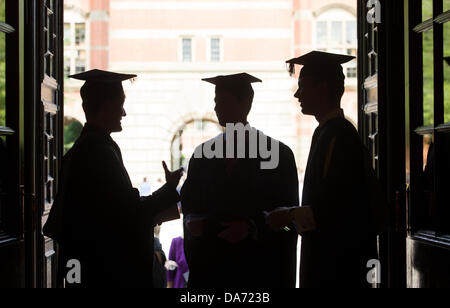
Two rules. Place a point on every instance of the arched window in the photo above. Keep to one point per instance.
(335, 31)
(189, 136)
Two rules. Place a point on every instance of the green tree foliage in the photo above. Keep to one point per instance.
(2, 66)
(428, 78)
(427, 9)
(428, 72)
(447, 92)
(72, 131)
(447, 72)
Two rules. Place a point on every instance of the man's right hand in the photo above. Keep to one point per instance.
(279, 218)
(172, 178)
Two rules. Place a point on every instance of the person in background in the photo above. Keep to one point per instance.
(159, 261)
(145, 189)
(177, 267)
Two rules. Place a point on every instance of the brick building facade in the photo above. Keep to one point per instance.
(171, 45)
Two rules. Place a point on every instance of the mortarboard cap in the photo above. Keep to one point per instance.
(320, 61)
(99, 76)
(235, 79)
(239, 85)
(101, 86)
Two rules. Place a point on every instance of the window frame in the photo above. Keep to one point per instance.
(7, 29)
(343, 46)
(4, 130)
(181, 52)
(73, 49)
(73, 18)
(209, 49)
(437, 129)
(12, 216)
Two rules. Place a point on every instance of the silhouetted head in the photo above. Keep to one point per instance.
(103, 98)
(234, 97)
(321, 81)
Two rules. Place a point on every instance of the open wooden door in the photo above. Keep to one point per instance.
(427, 47)
(31, 145)
(50, 128)
(404, 98)
(381, 122)
(12, 244)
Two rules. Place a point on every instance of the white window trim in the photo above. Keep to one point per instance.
(346, 16)
(208, 48)
(72, 17)
(180, 49)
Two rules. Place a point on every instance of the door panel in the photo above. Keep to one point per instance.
(381, 124)
(12, 254)
(368, 119)
(428, 264)
(50, 128)
(428, 146)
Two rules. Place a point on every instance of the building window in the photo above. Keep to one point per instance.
(336, 37)
(336, 32)
(351, 33)
(321, 33)
(80, 34)
(187, 50)
(67, 35)
(75, 53)
(216, 50)
(352, 72)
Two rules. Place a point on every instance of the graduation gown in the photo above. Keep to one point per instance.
(100, 219)
(224, 190)
(335, 186)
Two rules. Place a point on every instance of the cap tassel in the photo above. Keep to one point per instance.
(291, 69)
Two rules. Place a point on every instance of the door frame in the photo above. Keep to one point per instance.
(12, 244)
(381, 124)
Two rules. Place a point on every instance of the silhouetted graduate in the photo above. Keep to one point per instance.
(227, 243)
(338, 184)
(98, 217)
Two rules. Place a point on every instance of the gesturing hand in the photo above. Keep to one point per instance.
(172, 178)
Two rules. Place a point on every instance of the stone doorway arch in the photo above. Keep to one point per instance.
(188, 136)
